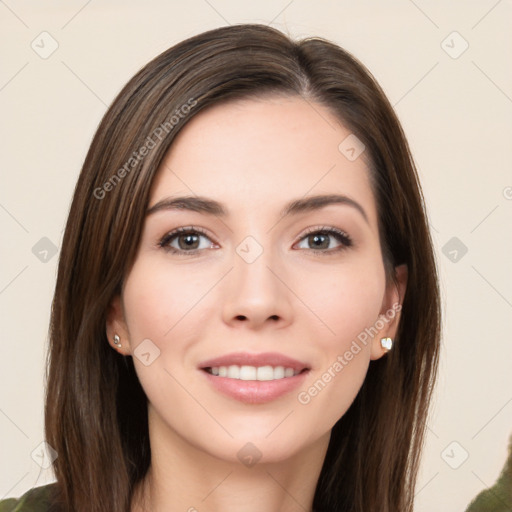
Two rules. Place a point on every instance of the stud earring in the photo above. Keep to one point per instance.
(117, 340)
(386, 344)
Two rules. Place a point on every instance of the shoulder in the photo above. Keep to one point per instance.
(497, 498)
(34, 500)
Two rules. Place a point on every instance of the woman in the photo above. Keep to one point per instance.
(246, 315)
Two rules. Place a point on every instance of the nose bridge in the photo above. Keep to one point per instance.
(255, 292)
(254, 259)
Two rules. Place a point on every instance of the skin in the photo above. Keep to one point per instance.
(253, 155)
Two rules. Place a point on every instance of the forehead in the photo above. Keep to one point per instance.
(259, 153)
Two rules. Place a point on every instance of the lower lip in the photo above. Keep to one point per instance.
(255, 391)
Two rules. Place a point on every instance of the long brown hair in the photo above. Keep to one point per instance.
(96, 409)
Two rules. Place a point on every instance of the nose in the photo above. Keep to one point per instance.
(257, 292)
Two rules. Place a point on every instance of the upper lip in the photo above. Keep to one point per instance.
(247, 359)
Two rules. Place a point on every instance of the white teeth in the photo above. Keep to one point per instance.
(233, 372)
(253, 372)
(279, 372)
(265, 373)
(248, 373)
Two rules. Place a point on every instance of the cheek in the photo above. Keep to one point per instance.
(157, 300)
(348, 301)
(346, 298)
(161, 303)
(161, 308)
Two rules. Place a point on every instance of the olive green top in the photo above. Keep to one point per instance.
(34, 500)
(497, 498)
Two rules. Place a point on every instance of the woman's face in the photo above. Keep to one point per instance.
(308, 285)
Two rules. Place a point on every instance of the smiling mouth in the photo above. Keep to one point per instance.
(254, 373)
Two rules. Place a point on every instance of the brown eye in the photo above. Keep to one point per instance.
(184, 240)
(320, 240)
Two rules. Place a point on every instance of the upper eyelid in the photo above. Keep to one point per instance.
(324, 229)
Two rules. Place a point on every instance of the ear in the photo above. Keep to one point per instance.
(116, 324)
(389, 318)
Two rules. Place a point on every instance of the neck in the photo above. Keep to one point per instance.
(185, 478)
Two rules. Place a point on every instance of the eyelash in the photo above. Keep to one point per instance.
(339, 235)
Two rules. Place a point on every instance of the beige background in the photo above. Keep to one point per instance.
(456, 112)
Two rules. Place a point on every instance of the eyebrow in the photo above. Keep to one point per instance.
(211, 207)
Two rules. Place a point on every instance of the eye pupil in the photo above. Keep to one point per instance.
(316, 237)
(190, 239)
